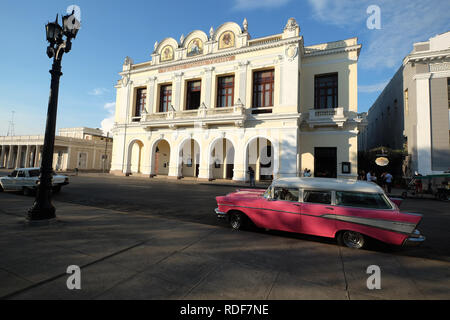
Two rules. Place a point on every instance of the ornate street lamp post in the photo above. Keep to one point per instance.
(42, 208)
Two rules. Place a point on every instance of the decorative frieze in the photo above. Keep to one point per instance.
(197, 64)
(436, 67)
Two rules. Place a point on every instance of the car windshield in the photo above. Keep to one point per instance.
(13, 174)
(362, 200)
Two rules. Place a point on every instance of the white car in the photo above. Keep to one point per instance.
(27, 179)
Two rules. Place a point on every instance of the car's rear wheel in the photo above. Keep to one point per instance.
(352, 239)
(237, 220)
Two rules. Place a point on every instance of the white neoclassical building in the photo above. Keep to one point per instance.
(212, 105)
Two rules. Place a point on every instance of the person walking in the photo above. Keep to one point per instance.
(251, 174)
(388, 180)
(373, 177)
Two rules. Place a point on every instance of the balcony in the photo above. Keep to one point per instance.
(326, 117)
(201, 117)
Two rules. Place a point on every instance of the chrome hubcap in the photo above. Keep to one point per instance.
(353, 239)
(235, 221)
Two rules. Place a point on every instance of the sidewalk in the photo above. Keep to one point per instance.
(136, 256)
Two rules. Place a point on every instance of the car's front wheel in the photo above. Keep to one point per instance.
(352, 239)
(236, 220)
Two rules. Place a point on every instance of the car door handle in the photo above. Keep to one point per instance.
(329, 208)
(297, 204)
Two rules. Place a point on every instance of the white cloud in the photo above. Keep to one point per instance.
(256, 4)
(108, 123)
(98, 91)
(341, 13)
(370, 88)
(403, 22)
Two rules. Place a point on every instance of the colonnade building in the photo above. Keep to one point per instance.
(212, 105)
(82, 148)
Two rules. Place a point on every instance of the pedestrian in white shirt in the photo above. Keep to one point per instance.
(388, 178)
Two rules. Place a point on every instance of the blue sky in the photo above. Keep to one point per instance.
(112, 30)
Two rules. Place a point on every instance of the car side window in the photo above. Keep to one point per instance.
(362, 200)
(33, 173)
(285, 194)
(312, 196)
(21, 174)
(13, 174)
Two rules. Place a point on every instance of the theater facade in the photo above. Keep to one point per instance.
(211, 105)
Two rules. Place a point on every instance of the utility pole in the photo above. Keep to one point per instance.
(11, 125)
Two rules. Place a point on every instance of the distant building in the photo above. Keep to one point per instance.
(385, 124)
(414, 109)
(82, 148)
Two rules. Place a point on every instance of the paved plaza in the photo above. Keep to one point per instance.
(157, 239)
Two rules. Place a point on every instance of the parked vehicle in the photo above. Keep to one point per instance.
(433, 185)
(350, 211)
(27, 179)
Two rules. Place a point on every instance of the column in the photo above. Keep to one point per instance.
(69, 152)
(243, 82)
(151, 83)
(27, 156)
(239, 170)
(424, 125)
(36, 157)
(204, 170)
(2, 157)
(175, 161)
(287, 154)
(208, 87)
(176, 95)
(19, 156)
(9, 160)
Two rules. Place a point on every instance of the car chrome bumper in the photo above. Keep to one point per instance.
(414, 239)
(220, 214)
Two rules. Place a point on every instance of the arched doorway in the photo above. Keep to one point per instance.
(161, 158)
(189, 158)
(260, 155)
(222, 159)
(135, 156)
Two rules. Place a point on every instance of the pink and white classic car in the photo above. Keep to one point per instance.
(348, 210)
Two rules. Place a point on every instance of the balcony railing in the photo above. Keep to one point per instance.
(326, 116)
(201, 115)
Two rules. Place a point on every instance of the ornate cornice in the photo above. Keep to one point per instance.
(217, 55)
(430, 56)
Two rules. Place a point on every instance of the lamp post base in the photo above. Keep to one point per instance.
(39, 212)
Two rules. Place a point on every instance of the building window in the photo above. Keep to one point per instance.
(448, 91)
(193, 95)
(263, 90)
(326, 91)
(141, 96)
(406, 102)
(225, 91)
(165, 98)
(448, 95)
